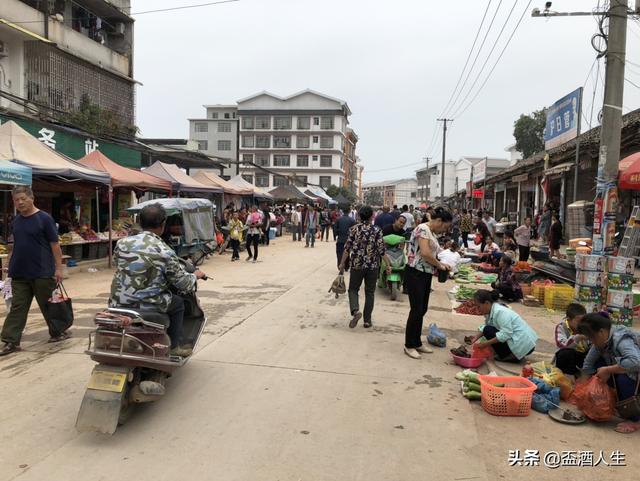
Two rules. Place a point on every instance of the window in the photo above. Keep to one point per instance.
(262, 160)
(315, 139)
(224, 145)
(302, 142)
(248, 178)
(248, 141)
(316, 121)
(262, 180)
(315, 158)
(227, 116)
(302, 161)
(326, 142)
(327, 123)
(214, 115)
(203, 145)
(325, 161)
(233, 115)
(281, 160)
(325, 181)
(301, 180)
(247, 123)
(224, 127)
(263, 141)
(282, 141)
(304, 123)
(263, 122)
(279, 180)
(202, 127)
(282, 123)
(247, 157)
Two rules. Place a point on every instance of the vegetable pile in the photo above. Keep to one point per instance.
(468, 307)
(460, 352)
(470, 384)
(465, 293)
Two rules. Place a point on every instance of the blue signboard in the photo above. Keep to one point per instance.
(14, 174)
(563, 119)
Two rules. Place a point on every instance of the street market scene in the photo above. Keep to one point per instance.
(281, 288)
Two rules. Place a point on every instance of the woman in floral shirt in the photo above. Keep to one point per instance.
(422, 264)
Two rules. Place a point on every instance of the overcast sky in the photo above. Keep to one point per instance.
(394, 62)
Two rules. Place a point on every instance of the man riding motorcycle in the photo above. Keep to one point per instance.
(149, 276)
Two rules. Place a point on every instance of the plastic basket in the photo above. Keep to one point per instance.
(469, 362)
(526, 289)
(537, 291)
(558, 297)
(514, 399)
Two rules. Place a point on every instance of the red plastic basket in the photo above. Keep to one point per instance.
(514, 399)
(469, 362)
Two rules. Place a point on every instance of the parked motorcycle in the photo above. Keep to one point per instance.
(398, 259)
(132, 349)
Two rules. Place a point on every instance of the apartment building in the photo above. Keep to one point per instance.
(392, 192)
(429, 179)
(300, 139)
(217, 134)
(55, 54)
(351, 174)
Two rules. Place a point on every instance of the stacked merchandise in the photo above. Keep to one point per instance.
(591, 282)
(579, 216)
(620, 289)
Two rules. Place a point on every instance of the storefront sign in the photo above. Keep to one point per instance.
(562, 120)
(477, 193)
(520, 178)
(480, 171)
(77, 146)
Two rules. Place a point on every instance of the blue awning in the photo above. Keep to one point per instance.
(14, 174)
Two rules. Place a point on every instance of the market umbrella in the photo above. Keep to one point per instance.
(629, 168)
(342, 200)
(289, 192)
(209, 178)
(14, 174)
(184, 183)
(258, 193)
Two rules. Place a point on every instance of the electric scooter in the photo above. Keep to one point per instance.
(395, 253)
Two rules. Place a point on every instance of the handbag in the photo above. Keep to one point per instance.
(338, 286)
(630, 407)
(59, 310)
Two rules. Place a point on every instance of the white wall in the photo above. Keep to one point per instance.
(12, 67)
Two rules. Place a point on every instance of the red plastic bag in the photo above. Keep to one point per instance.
(478, 239)
(595, 399)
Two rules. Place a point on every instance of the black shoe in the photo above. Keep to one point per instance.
(367, 324)
(354, 320)
(8, 348)
(62, 337)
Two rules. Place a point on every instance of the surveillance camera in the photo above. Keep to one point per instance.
(535, 12)
(547, 5)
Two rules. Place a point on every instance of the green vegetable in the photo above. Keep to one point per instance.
(471, 376)
(472, 395)
(473, 386)
(461, 376)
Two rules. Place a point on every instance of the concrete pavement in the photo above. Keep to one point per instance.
(282, 389)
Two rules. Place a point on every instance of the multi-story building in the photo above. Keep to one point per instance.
(217, 134)
(350, 161)
(296, 139)
(429, 179)
(56, 55)
(391, 192)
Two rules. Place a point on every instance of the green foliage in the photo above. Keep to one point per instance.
(528, 131)
(333, 191)
(98, 121)
(373, 197)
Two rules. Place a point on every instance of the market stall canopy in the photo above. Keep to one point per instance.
(318, 192)
(630, 172)
(209, 178)
(14, 174)
(20, 147)
(184, 183)
(122, 176)
(258, 193)
(342, 200)
(174, 205)
(289, 192)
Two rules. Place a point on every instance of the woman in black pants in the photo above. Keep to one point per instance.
(422, 264)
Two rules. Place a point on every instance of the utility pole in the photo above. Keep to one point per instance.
(427, 187)
(444, 153)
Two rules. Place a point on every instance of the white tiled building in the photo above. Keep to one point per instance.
(297, 138)
(217, 134)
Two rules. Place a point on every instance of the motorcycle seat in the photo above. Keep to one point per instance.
(156, 317)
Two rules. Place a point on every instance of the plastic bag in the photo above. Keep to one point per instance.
(546, 397)
(547, 372)
(595, 399)
(477, 240)
(436, 337)
(338, 286)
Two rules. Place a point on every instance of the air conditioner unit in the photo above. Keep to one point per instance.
(120, 29)
(4, 50)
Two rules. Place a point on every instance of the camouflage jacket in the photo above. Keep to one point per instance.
(146, 268)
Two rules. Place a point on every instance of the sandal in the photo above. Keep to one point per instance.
(627, 427)
(62, 337)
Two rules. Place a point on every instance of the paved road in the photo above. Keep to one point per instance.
(280, 389)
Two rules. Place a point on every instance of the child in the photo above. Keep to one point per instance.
(491, 250)
(451, 256)
(573, 347)
(507, 285)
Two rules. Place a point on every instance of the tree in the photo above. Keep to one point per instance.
(98, 121)
(373, 197)
(528, 131)
(333, 191)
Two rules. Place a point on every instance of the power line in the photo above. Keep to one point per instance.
(486, 60)
(468, 57)
(632, 83)
(185, 7)
(475, 60)
(394, 168)
(498, 59)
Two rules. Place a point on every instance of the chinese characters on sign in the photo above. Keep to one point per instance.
(47, 137)
(563, 119)
(557, 459)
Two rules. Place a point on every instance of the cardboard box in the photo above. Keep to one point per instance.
(588, 294)
(594, 307)
(621, 265)
(586, 262)
(620, 299)
(591, 278)
(620, 282)
(621, 316)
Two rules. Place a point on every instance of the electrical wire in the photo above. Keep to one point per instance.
(498, 59)
(184, 7)
(475, 60)
(466, 63)
(486, 60)
(632, 83)
(413, 164)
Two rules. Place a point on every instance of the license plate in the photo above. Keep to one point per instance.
(107, 381)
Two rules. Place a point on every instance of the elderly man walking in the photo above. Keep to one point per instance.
(296, 224)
